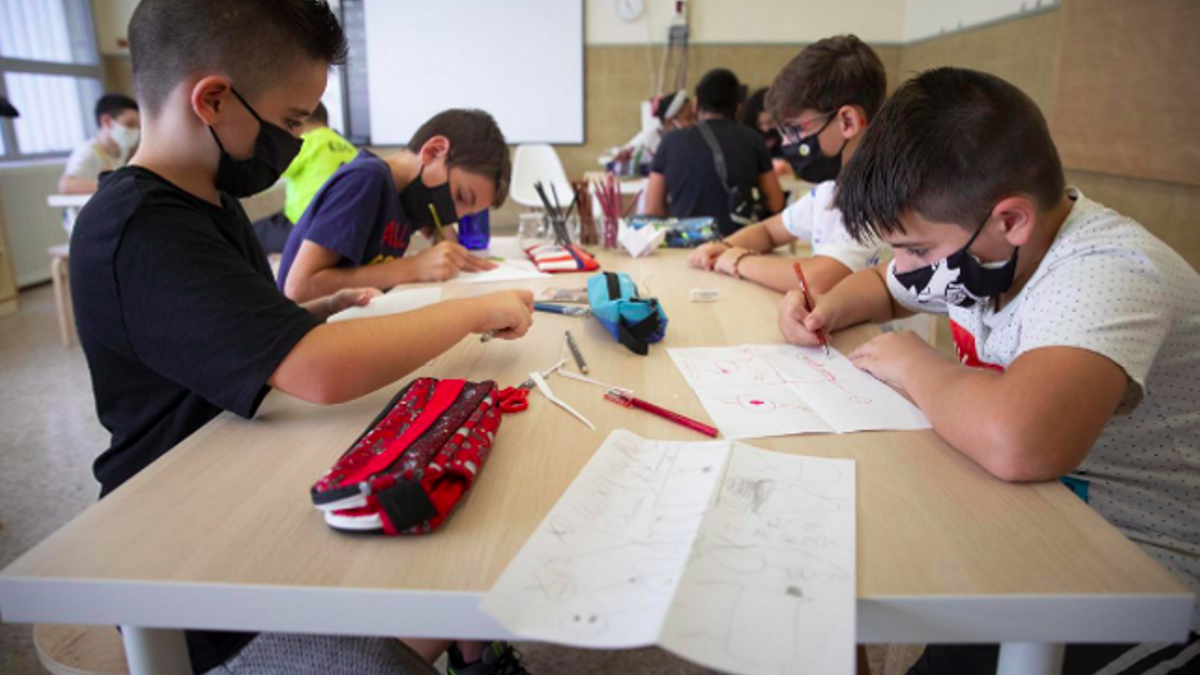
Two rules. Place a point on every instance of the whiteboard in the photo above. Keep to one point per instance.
(520, 60)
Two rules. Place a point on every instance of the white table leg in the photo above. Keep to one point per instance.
(155, 651)
(1030, 658)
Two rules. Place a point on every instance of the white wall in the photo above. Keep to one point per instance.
(751, 21)
(929, 18)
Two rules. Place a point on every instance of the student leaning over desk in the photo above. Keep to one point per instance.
(825, 98)
(1078, 332)
(359, 225)
(178, 313)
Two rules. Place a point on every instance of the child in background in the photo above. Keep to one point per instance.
(685, 178)
(178, 313)
(755, 115)
(357, 228)
(118, 125)
(825, 97)
(323, 152)
(1078, 331)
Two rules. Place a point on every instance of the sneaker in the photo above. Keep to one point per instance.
(499, 658)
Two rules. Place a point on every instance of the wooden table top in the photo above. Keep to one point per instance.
(230, 505)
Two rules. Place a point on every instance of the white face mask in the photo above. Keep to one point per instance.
(124, 137)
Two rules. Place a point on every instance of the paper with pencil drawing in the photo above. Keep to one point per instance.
(756, 391)
(734, 557)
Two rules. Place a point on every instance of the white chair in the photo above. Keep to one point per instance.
(534, 163)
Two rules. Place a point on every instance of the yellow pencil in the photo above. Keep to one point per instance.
(439, 233)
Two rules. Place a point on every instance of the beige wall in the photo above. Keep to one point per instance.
(1023, 52)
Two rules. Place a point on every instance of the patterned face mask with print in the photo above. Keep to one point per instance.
(959, 279)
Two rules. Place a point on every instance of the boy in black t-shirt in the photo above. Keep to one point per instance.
(684, 179)
(177, 311)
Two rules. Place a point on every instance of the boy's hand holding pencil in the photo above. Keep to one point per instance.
(506, 315)
(803, 326)
(445, 260)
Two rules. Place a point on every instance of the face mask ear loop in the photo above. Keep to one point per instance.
(979, 229)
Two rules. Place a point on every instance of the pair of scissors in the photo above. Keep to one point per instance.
(516, 399)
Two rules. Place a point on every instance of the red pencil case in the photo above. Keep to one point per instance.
(553, 259)
(415, 462)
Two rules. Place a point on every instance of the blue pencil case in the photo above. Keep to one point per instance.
(634, 321)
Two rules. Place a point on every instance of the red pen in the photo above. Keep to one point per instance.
(629, 401)
(808, 304)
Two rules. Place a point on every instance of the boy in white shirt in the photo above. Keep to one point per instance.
(1078, 331)
(826, 97)
(119, 128)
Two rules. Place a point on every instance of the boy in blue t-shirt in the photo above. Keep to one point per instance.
(357, 228)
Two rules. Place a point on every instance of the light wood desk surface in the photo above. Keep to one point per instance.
(220, 533)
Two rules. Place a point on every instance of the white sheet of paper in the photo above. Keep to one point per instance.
(734, 557)
(770, 586)
(397, 301)
(757, 391)
(600, 570)
(861, 405)
(760, 411)
(509, 270)
(720, 366)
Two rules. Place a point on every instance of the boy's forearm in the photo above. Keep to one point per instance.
(339, 362)
(319, 307)
(752, 238)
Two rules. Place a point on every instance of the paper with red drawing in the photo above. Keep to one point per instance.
(757, 391)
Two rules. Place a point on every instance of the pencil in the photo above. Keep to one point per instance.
(439, 233)
(576, 354)
(809, 304)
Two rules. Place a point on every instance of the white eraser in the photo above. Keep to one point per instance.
(705, 294)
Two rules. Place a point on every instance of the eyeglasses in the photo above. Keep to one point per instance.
(794, 133)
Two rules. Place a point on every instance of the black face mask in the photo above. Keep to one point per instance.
(274, 150)
(418, 197)
(809, 161)
(959, 279)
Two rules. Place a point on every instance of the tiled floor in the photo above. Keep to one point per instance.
(49, 437)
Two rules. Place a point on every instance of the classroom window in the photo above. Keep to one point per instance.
(50, 70)
(58, 31)
(55, 110)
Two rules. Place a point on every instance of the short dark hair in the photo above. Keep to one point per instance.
(948, 145)
(720, 91)
(320, 114)
(476, 145)
(254, 41)
(113, 105)
(755, 105)
(826, 75)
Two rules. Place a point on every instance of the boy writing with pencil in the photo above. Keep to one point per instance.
(357, 228)
(1078, 332)
(825, 97)
(177, 311)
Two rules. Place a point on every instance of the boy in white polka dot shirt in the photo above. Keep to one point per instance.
(1078, 331)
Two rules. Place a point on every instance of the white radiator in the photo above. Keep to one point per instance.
(32, 226)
